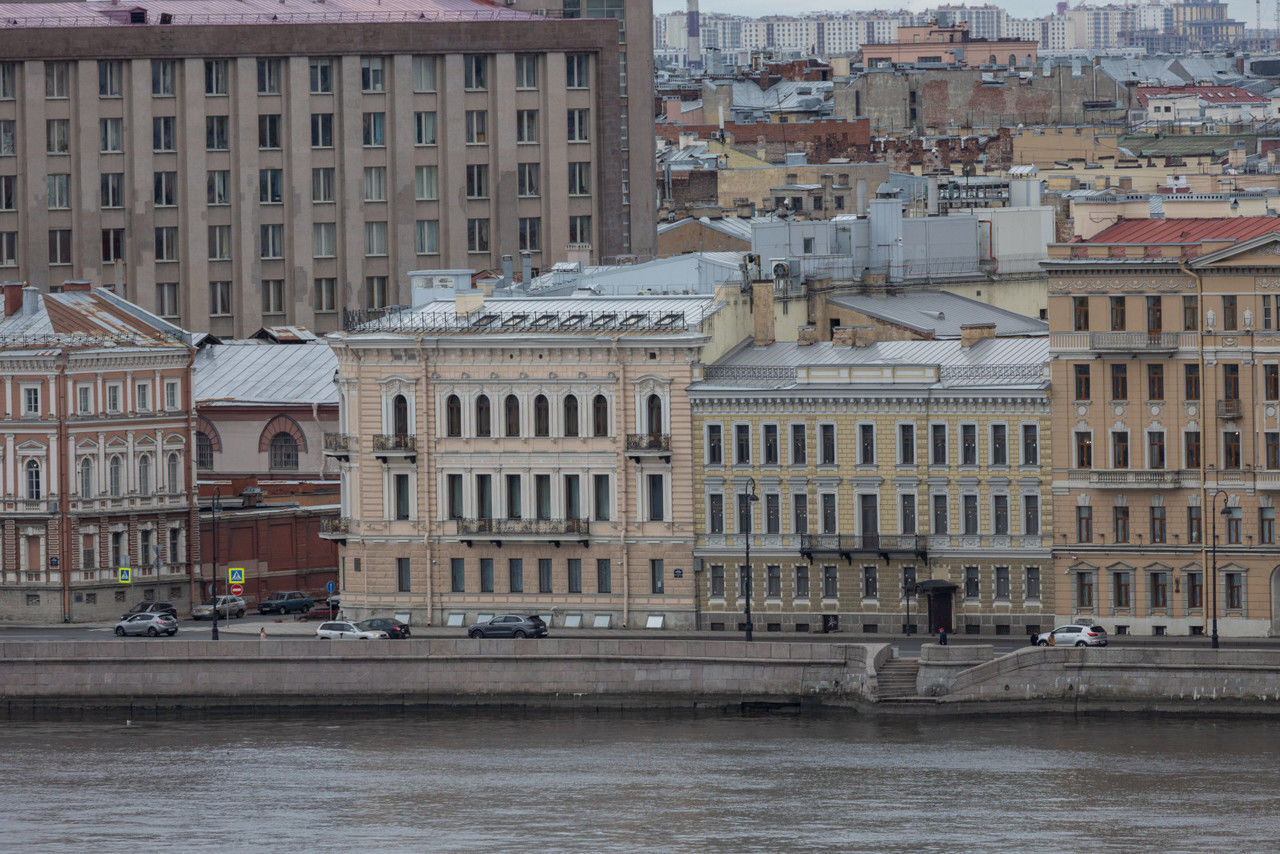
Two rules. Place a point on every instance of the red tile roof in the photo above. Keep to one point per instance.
(1208, 94)
(1191, 230)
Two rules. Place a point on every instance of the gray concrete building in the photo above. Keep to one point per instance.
(241, 164)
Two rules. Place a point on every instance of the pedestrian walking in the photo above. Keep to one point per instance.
(942, 635)
(262, 633)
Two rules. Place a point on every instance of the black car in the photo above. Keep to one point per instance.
(152, 608)
(393, 628)
(509, 626)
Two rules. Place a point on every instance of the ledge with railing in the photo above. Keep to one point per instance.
(1230, 409)
(385, 444)
(848, 545)
(340, 444)
(335, 527)
(649, 443)
(526, 529)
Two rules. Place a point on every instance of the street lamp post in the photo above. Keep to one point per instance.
(749, 497)
(216, 506)
(1213, 523)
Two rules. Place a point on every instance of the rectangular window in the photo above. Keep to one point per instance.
(271, 186)
(1235, 591)
(870, 583)
(1120, 526)
(530, 234)
(326, 288)
(453, 485)
(477, 181)
(478, 235)
(427, 236)
(773, 513)
(324, 239)
(1228, 313)
(269, 74)
(477, 127)
(401, 487)
(424, 74)
(1191, 375)
(544, 575)
(164, 189)
(577, 70)
(1084, 449)
(972, 583)
(273, 296)
(59, 187)
(1266, 526)
(112, 244)
(828, 502)
(656, 497)
(1002, 583)
(1120, 589)
(580, 228)
(715, 513)
(1030, 445)
(970, 514)
(215, 76)
(1031, 515)
(457, 575)
(866, 444)
(426, 183)
(579, 125)
(527, 132)
(1233, 526)
(59, 246)
(374, 133)
(939, 514)
(1191, 449)
(1159, 526)
(830, 583)
(526, 71)
(600, 497)
(424, 128)
(770, 445)
(8, 80)
(1117, 314)
(800, 512)
(1155, 449)
(1155, 382)
(322, 130)
(575, 574)
(515, 574)
(907, 513)
(403, 577)
(799, 445)
(486, 575)
(1033, 582)
(1081, 382)
(1190, 314)
(56, 79)
(826, 444)
(1195, 590)
(906, 444)
(110, 78)
(375, 291)
(218, 184)
(999, 445)
(1080, 314)
(938, 444)
(604, 575)
(475, 71)
(1120, 449)
(58, 136)
(1231, 381)
(271, 241)
(1119, 382)
(1084, 524)
(219, 299)
(742, 444)
(163, 134)
(1000, 514)
(715, 445)
(375, 238)
(321, 75)
(1195, 529)
(656, 576)
(527, 180)
(371, 74)
(1084, 589)
(166, 243)
(1231, 449)
(802, 582)
(1271, 381)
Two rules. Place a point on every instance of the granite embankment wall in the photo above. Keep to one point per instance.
(164, 675)
(1124, 677)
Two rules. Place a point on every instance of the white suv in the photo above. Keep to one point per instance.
(340, 629)
(1076, 634)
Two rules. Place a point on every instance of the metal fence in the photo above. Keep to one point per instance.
(526, 319)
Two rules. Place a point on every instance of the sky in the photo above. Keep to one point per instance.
(1243, 10)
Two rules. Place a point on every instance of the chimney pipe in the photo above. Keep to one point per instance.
(526, 267)
(12, 298)
(30, 301)
(508, 272)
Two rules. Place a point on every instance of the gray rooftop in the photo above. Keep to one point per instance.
(254, 372)
(939, 313)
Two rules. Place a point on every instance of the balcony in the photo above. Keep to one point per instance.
(1229, 410)
(397, 445)
(524, 530)
(848, 546)
(641, 445)
(1139, 478)
(1134, 342)
(29, 506)
(340, 445)
(1268, 480)
(335, 528)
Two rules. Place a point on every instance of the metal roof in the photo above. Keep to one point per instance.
(253, 372)
(1188, 230)
(94, 318)
(939, 313)
(231, 12)
(994, 361)
(1208, 94)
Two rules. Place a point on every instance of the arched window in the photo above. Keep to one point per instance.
(204, 451)
(991, 60)
(452, 416)
(653, 414)
(541, 416)
(86, 478)
(571, 415)
(599, 416)
(284, 452)
(113, 477)
(34, 490)
(399, 417)
(144, 475)
(1013, 61)
(482, 416)
(511, 416)
(174, 475)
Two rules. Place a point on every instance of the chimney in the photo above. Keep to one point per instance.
(972, 333)
(30, 301)
(465, 302)
(508, 271)
(842, 336)
(863, 336)
(806, 335)
(77, 286)
(526, 267)
(12, 298)
(762, 314)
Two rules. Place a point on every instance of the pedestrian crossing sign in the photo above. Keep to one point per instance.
(125, 575)
(235, 576)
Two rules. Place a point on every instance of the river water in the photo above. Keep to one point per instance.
(643, 784)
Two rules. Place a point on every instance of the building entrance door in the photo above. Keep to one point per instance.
(939, 595)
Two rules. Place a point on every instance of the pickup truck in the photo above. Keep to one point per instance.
(286, 602)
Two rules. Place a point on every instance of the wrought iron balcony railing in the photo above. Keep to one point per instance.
(396, 443)
(848, 545)
(525, 528)
(1229, 409)
(658, 443)
(340, 444)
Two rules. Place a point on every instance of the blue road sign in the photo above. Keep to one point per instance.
(330, 587)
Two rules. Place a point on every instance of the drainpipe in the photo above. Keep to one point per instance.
(424, 506)
(620, 422)
(1204, 433)
(61, 396)
(194, 570)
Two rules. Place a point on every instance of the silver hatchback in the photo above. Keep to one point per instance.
(151, 625)
(1075, 634)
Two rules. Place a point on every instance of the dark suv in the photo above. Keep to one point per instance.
(509, 626)
(152, 608)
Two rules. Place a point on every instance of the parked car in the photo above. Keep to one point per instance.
(153, 608)
(228, 607)
(393, 628)
(286, 602)
(340, 630)
(509, 626)
(1076, 634)
(147, 624)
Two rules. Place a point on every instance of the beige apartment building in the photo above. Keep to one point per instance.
(1165, 359)
(265, 163)
(96, 428)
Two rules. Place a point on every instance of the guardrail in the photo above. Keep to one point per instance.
(649, 442)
